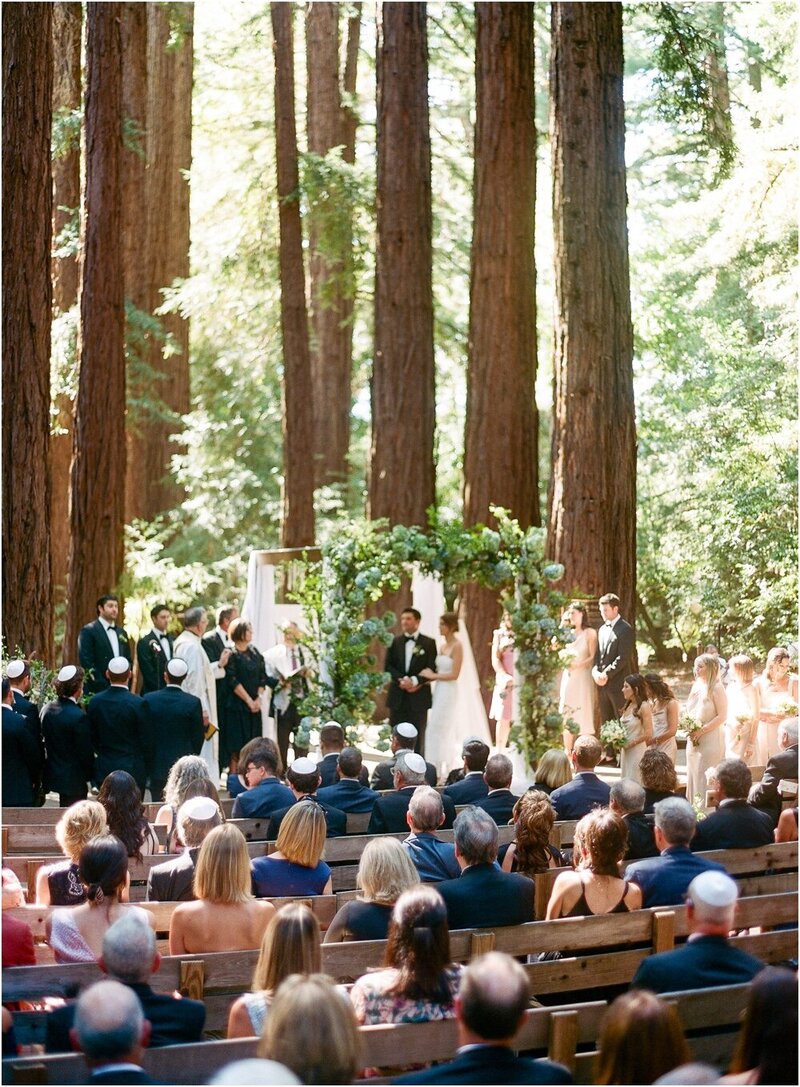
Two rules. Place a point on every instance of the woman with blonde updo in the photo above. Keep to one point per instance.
(59, 884)
(595, 887)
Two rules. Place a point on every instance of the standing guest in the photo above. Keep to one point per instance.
(19, 676)
(640, 1040)
(765, 1052)
(765, 794)
(247, 680)
(59, 884)
(595, 887)
(264, 794)
(303, 780)
(176, 718)
(119, 794)
(627, 801)
(615, 658)
(708, 703)
(410, 653)
(296, 867)
(218, 648)
(100, 642)
(225, 915)
(576, 698)
(472, 786)
(112, 1033)
(501, 710)
(666, 712)
(122, 735)
(553, 771)
(201, 680)
(432, 858)
(183, 772)
(67, 740)
(288, 670)
(173, 881)
(384, 873)
(21, 758)
(403, 739)
(331, 745)
(291, 945)
(637, 717)
(775, 685)
(744, 707)
(499, 801)
(350, 793)
(531, 851)
(389, 813)
(734, 824)
(586, 790)
(154, 650)
(658, 777)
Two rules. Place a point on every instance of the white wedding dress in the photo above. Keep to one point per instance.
(450, 721)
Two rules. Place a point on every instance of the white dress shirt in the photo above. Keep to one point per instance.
(112, 636)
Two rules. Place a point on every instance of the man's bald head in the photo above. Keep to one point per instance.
(110, 1024)
(493, 997)
(426, 811)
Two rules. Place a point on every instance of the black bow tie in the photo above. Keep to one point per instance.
(410, 637)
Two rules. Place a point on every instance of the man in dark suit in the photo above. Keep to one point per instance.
(483, 895)
(112, 1033)
(349, 793)
(22, 763)
(303, 780)
(664, 879)
(472, 786)
(765, 794)
(490, 1008)
(173, 881)
(119, 723)
(101, 640)
(614, 659)
(499, 801)
(409, 697)
(331, 744)
(433, 859)
(218, 648)
(154, 650)
(707, 960)
(176, 721)
(264, 794)
(389, 813)
(403, 739)
(735, 824)
(19, 674)
(68, 742)
(586, 791)
(627, 801)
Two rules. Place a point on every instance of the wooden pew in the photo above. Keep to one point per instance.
(51, 815)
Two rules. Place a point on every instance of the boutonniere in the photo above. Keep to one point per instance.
(123, 637)
(418, 651)
(157, 648)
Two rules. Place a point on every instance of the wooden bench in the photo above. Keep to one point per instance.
(51, 815)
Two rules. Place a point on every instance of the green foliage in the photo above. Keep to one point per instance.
(65, 136)
(142, 380)
(42, 677)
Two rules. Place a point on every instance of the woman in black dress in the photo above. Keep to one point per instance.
(246, 674)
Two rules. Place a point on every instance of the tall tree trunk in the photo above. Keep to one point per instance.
(98, 462)
(592, 528)
(330, 267)
(67, 26)
(718, 76)
(500, 461)
(27, 297)
(402, 483)
(297, 529)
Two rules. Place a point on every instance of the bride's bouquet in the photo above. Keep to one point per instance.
(614, 734)
(690, 724)
(786, 708)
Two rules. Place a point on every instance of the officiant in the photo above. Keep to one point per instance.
(287, 673)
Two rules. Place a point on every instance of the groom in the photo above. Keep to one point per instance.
(409, 697)
(615, 658)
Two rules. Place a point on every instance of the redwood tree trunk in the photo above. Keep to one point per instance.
(402, 480)
(500, 460)
(67, 26)
(27, 295)
(98, 463)
(593, 486)
(298, 481)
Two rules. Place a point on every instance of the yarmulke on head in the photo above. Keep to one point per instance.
(177, 668)
(68, 672)
(118, 666)
(303, 766)
(15, 669)
(415, 762)
(406, 730)
(713, 889)
(198, 807)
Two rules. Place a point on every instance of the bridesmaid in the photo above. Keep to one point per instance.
(637, 717)
(666, 714)
(501, 710)
(775, 685)
(576, 698)
(707, 702)
(744, 702)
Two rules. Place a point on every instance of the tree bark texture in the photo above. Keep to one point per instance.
(297, 529)
(331, 272)
(402, 483)
(98, 462)
(592, 528)
(67, 28)
(718, 76)
(500, 461)
(27, 299)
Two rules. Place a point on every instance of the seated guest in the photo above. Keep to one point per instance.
(226, 916)
(499, 801)
(664, 879)
(659, 779)
(389, 814)
(490, 1008)
(348, 793)
(786, 830)
(331, 745)
(586, 790)
(531, 851)
(640, 1040)
(130, 957)
(472, 786)
(433, 859)
(765, 795)
(253, 1071)
(235, 783)
(553, 771)
(483, 896)
(59, 884)
(311, 1030)
(173, 881)
(303, 780)
(384, 872)
(627, 801)
(265, 794)
(67, 740)
(13, 894)
(764, 1052)
(595, 887)
(735, 824)
(402, 740)
(176, 717)
(291, 945)
(75, 933)
(112, 1033)
(18, 949)
(707, 959)
(183, 772)
(119, 794)
(22, 762)
(296, 867)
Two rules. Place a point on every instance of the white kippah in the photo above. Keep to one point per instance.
(472, 740)
(415, 763)
(333, 724)
(198, 807)
(118, 666)
(68, 672)
(713, 889)
(177, 667)
(303, 766)
(15, 669)
(406, 730)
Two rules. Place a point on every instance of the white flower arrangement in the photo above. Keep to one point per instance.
(787, 708)
(690, 724)
(614, 734)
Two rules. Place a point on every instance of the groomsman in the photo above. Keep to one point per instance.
(409, 697)
(176, 719)
(122, 735)
(615, 658)
(99, 642)
(154, 650)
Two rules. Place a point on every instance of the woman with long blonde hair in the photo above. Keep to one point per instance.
(708, 704)
(744, 707)
(775, 685)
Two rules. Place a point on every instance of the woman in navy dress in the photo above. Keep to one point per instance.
(296, 868)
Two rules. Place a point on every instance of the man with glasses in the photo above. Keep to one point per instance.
(264, 794)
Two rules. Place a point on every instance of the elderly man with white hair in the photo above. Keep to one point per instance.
(389, 814)
(433, 859)
(765, 794)
(112, 1033)
(707, 959)
(627, 801)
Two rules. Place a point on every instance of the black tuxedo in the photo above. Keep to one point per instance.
(176, 720)
(25, 708)
(68, 746)
(489, 1064)
(327, 771)
(411, 706)
(121, 733)
(389, 814)
(469, 790)
(21, 761)
(94, 653)
(383, 774)
(616, 657)
(152, 661)
(734, 825)
(483, 896)
(765, 794)
(173, 881)
(499, 804)
(335, 819)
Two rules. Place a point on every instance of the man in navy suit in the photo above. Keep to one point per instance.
(735, 824)
(433, 859)
(490, 1008)
(403, 738)
(389, 814)
(664, 879)
(614, 659)
(303, 779)
(122, 736)
(154, 650)
(264, 794)
(707, 959)
(586, 791)
(176, 720)
(471, 787)
(765, 795)
(349, 793)
(483, 895)
(331, 745)
(101, 640)
(499, 801)
(112, 1033)
(21, 759)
